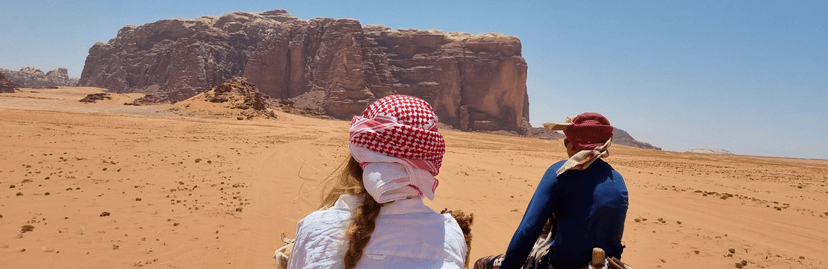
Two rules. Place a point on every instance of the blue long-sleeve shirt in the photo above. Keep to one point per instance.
(590, 207)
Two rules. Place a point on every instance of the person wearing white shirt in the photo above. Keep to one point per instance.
(374, 216)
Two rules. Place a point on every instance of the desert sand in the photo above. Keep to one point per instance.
(105, 185)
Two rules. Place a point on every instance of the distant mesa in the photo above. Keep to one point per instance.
(30, 77)
(6, 86)
(322, 66)
(543, 133)
(621, 137)
(709, 150)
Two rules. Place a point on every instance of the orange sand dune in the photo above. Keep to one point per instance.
(188, 192)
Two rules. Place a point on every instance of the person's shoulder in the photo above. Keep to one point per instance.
(552, 172)
(557, 164)
(324, 217)
(554, 167)
(455, 238)
(615, 173)
(315, 214)
(309, 219)
(450, 223)
(606, 165)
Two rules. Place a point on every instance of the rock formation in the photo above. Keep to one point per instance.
(147, 99)
(335, 66)
(177, 58)
(621, 137)
(238, 94)
(30, 77)
(232, 98)
(6, 86)
(95, 97)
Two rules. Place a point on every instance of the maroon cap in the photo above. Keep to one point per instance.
(588, 130)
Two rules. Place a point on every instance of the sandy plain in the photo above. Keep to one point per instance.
(111, 186)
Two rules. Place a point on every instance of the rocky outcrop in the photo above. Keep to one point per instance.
(6, 86)
(30, 77)
(234, 97)
(95, 97)
(621, 137)
(334, 66)
(238, 94)
(147, 100)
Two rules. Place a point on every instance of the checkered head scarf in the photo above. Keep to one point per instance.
(401, 126)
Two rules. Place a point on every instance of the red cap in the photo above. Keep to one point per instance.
(588, 130)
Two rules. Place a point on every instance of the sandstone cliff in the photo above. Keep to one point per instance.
(30, 77)
(6, 86)
(474, 82)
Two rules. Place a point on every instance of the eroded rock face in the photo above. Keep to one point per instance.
(30, 77)
(6, 86)
(178, 58)
(474, 82)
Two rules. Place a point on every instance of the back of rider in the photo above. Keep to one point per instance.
(590, 212)
(590, 209)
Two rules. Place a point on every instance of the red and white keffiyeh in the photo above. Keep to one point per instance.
(590, 134)
(401, 126)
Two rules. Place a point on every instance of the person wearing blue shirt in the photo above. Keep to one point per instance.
(585, 199)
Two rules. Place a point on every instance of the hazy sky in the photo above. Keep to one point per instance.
(750, 77)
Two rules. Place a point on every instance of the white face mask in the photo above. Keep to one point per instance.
(389, 179)
(388, 182)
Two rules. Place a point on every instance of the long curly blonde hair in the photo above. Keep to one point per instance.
(363, 221)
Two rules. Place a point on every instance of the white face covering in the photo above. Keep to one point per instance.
(388, 182)
(389, 179)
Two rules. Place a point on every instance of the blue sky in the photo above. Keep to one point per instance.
(750, 77)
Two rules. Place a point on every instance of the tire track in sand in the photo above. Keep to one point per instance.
(276, 206)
